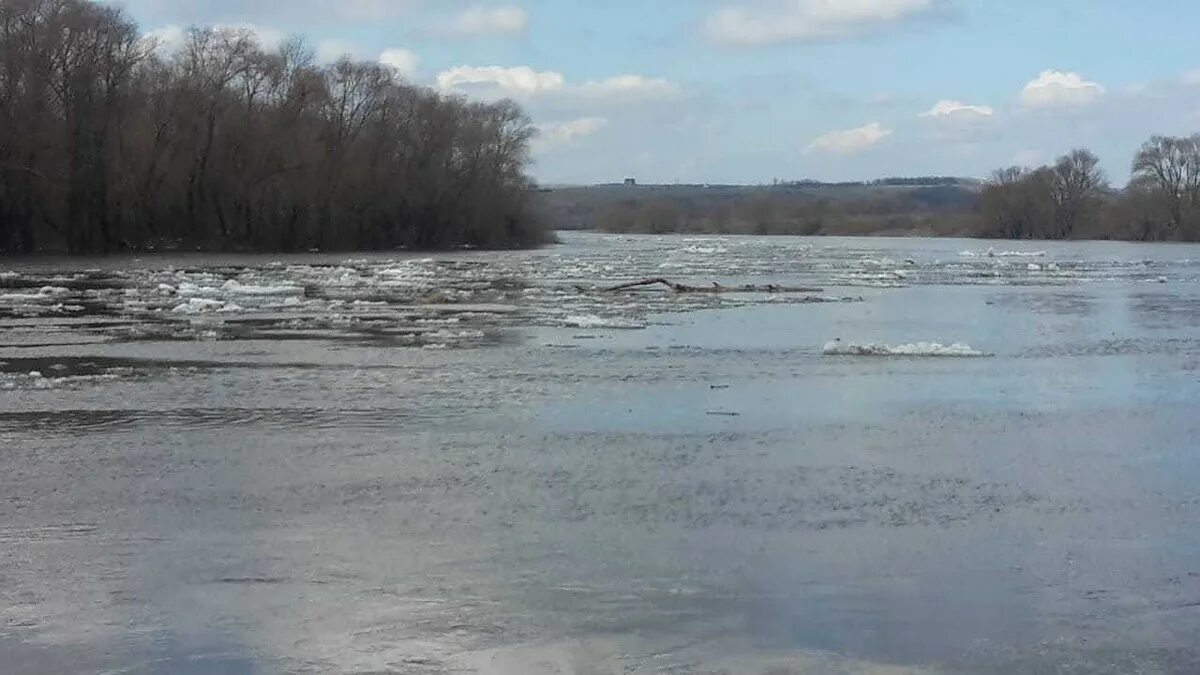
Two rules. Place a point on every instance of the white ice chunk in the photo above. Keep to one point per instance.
(991, 252)
(592, 321)
(235, 287)
(839, 348)
(199, 306)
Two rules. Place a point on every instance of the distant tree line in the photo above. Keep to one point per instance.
(798, 210)
(1072, 198)
(919, 181)
(910, 181)
(107, 144)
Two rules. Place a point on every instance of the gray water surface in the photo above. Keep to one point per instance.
(480, 462)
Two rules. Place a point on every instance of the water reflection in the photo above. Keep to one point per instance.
(314, 502)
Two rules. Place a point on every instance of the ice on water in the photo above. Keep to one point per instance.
(930, 349)
(400, 296)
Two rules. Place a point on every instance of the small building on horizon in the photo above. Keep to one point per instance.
(630, 182)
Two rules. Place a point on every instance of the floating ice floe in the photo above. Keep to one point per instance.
(230, 288)
(839, 348)
(199, 306)
(592, 321)
(993, 253)
(34, 379)
(878, 262)
(706, 250)
(189, 289)
(445, 336)
(237, 288)
(40, 296)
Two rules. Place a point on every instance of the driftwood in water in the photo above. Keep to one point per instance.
(715, 288)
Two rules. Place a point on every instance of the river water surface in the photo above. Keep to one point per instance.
(481, 462)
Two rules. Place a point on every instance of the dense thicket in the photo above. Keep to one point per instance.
(106, 143)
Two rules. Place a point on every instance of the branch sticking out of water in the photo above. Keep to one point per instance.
(715, 288)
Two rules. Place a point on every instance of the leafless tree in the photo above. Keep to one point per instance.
(1169, 169)
(1079, 186)
(107, 142)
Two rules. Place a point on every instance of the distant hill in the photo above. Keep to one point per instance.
(927, 205)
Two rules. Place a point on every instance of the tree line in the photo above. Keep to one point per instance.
(107, 143)
(1073, 199)
(906, 181)
(794, 210)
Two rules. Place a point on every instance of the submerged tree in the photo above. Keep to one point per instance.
(107, 142)
(1019, 203)
(1050, 202)
(1079, 186)
(1168, 171)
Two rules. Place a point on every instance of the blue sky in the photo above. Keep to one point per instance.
(748, 91)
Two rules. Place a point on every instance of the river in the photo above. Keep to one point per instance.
(955, 457)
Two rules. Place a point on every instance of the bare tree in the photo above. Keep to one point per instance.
(1079, 187)
(1170, 169)
(108, 142)
(1019, 203)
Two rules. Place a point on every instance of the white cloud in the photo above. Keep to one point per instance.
(559, 133)
(402, 61)
(810, 20)
(169, 39)
(329, 51)
(525, 82)
(1191, 78)
(518, 81)
(957, 109)
(1055, 88)
(850, 141)
(625, 87)
(478, 20)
